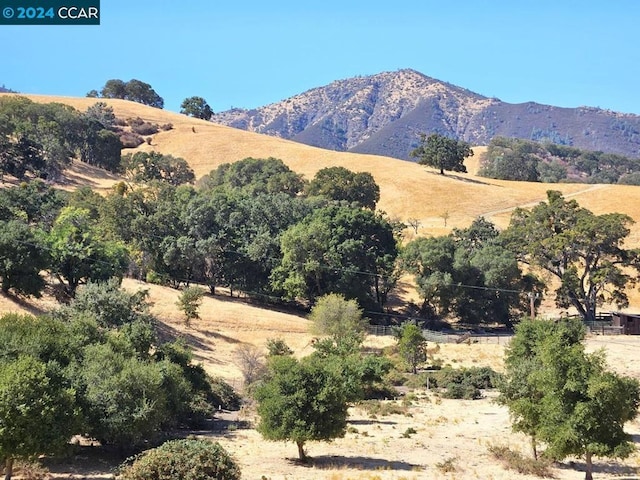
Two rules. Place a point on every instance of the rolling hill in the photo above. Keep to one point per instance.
(446, 430)
(408, 190)
(383, 114)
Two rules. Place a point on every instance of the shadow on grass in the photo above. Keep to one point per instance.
(611, 468)
(330, 462)
(461, 178)
(371, 422)
(24, 303)
(167, 333)
(86, 462)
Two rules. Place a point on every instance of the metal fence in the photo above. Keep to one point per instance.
(444, 337)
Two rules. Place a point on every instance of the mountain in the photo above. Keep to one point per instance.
(383, 114)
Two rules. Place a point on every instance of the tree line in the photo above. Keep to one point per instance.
(259, 228)
(525, 160)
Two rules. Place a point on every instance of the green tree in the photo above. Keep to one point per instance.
(338, 318)
(134, 90)
(518, 389)
(33, 202)
(430, 260)
(101, 113)
(341, 250)
(512, 159)
(110, 305)
(582, 250)
(23, 256)
(141, 92)
(278, 347)
(77, 253)
(189, 302)
(301, 401)
(36, 411)
(341, 184)
(412, 345)
(125, 400)
(184, 459)
(196, 107)
(150, 166)
(114, 88)
(254, 176)
(560, 395)
(470, 274)
(40, 139)
(443, 153)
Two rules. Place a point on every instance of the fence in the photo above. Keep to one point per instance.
(443, 337)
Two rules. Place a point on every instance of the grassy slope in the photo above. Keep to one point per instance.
(408, 190)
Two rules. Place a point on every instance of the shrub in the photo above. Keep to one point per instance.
(145, 128)
(376, 408)
(134, 122)
(408, 432)
(458, 382)
(448, 465)
(130, 140)
(223, 394)
(167, 126)
(515, 461)
(184, 460)
(462, 391)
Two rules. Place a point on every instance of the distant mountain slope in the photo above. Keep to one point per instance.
(384, 113)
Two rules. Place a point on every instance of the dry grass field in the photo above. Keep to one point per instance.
(451, 436)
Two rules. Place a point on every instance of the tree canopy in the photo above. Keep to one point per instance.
(155, 166)
(134, 90)
(582, 250)
(561, 396)
(469, 273)
(538, 161)
(442, 152)
(301, 401)
(341, 250)
(341, 184)
(196, 107)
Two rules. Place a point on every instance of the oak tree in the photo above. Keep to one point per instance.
(442, 152)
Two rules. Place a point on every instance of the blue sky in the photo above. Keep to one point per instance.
(246, 53)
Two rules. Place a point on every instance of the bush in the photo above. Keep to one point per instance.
(134, 122)
(145, 128)
(459, 382)
(462, 391)
(223, 394)
(166, 127)
(130, 140)
(183, 460)
(515, 461)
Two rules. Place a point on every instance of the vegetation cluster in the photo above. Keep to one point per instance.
(525, 160)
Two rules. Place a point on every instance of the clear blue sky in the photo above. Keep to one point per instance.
(247, 53)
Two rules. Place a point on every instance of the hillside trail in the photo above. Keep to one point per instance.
(492, 213)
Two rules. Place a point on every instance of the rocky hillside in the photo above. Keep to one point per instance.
(384, 113)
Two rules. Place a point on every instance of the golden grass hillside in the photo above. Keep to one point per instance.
(408, 190)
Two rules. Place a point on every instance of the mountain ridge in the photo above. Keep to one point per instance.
(384, 114)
